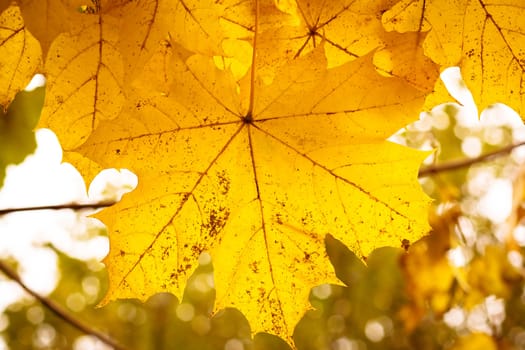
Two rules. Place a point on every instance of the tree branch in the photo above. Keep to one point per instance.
(59, 311)
(72, 206)
(463, 163)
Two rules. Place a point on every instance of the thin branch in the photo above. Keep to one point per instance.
(72, 206)
(59, 311)
(463, 163)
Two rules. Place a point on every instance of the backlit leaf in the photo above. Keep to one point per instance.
(258, 188)
(20, 55)
(486, 39)
(146, 23)
(46, 19)
(257, 128)
(349, 29)
(85, 76)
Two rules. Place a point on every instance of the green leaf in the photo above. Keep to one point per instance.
(348, 267)
(265, 341)
(17, 138)
(374, 294)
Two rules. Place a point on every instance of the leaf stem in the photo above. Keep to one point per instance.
(72, 206)
(463, 163)
(59, 311)
(254, 54)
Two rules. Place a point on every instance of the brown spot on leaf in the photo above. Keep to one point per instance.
(307, 257)
(254, 266)
(196, 250)
(276, 312)
(405, 244)
(216, 221)
(224, 182)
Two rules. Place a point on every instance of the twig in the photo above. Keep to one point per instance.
(72, 206)
(462, 163)
(59, 311)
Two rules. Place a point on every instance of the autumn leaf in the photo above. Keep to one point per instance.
(20, 52)
(428, 273)
(46, 19)
(85, 78)
(137, 46)
(255, 171)
(475, 341)
(258, 187)
(257, 128)
(485, 39)
(146, 23)
(490, 275)
(334, 23)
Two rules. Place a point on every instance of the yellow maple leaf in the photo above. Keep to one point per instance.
(258, 187)
(46, 19)
(485, 39)
(349, 29)
(145, 23)
(20, 54)
(85, 73)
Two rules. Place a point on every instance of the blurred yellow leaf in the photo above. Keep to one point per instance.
(428, 274)
(491, 274)
(475, 341)
(20, 55)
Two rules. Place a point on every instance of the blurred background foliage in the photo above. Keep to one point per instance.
(16, 128)
(461, 287)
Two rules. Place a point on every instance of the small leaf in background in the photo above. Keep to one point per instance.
(348, 267)
(491, 274)
(264, 341)
(475, 341)
(428, 274)
(363, 313)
